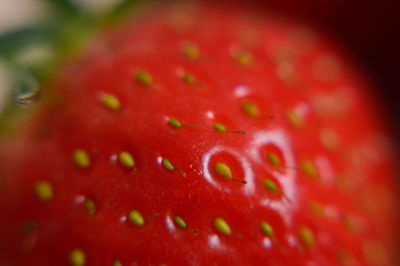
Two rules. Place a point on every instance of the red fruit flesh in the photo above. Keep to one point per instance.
(297, 145)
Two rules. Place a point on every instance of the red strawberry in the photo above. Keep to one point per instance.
(200, 135)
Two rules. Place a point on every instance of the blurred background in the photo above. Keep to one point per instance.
(369, 29)
(24, 15)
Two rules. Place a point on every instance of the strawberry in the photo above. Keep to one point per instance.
(201, 135)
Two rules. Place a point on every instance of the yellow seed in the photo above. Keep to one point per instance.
(250, 109)
(126, 159)
(117, 263)
(244, 58)
(222, 226)
(375, 253)
(219, 127)
(286, 72)
(316, 208)
(175, 122)
(136, 218)
(81, 158)
(191, 51)
(77, 257)
(267, 229)
(273, 159)
(223, 170)
(189, 78)
(307, 237)
(326, 68)
(352, 223)
(345, 258)
(167, 164)
(182, 21)
(90, 206)
(270, 185)
(44, 191)
(144, 78)
(111, 101)
(294, 119)
(329, 139)
(309, 168)
(179, 221)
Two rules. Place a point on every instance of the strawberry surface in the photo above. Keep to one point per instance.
(201, 135)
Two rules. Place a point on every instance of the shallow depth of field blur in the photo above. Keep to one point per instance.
(20, 14)
(368, 29)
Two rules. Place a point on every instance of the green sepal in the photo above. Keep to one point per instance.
(64, 32)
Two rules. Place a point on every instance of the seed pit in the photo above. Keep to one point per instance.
(273, 157)
(228, 170)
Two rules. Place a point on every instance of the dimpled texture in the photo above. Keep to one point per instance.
(306, 176)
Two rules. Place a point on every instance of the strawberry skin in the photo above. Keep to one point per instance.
(201, 135)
